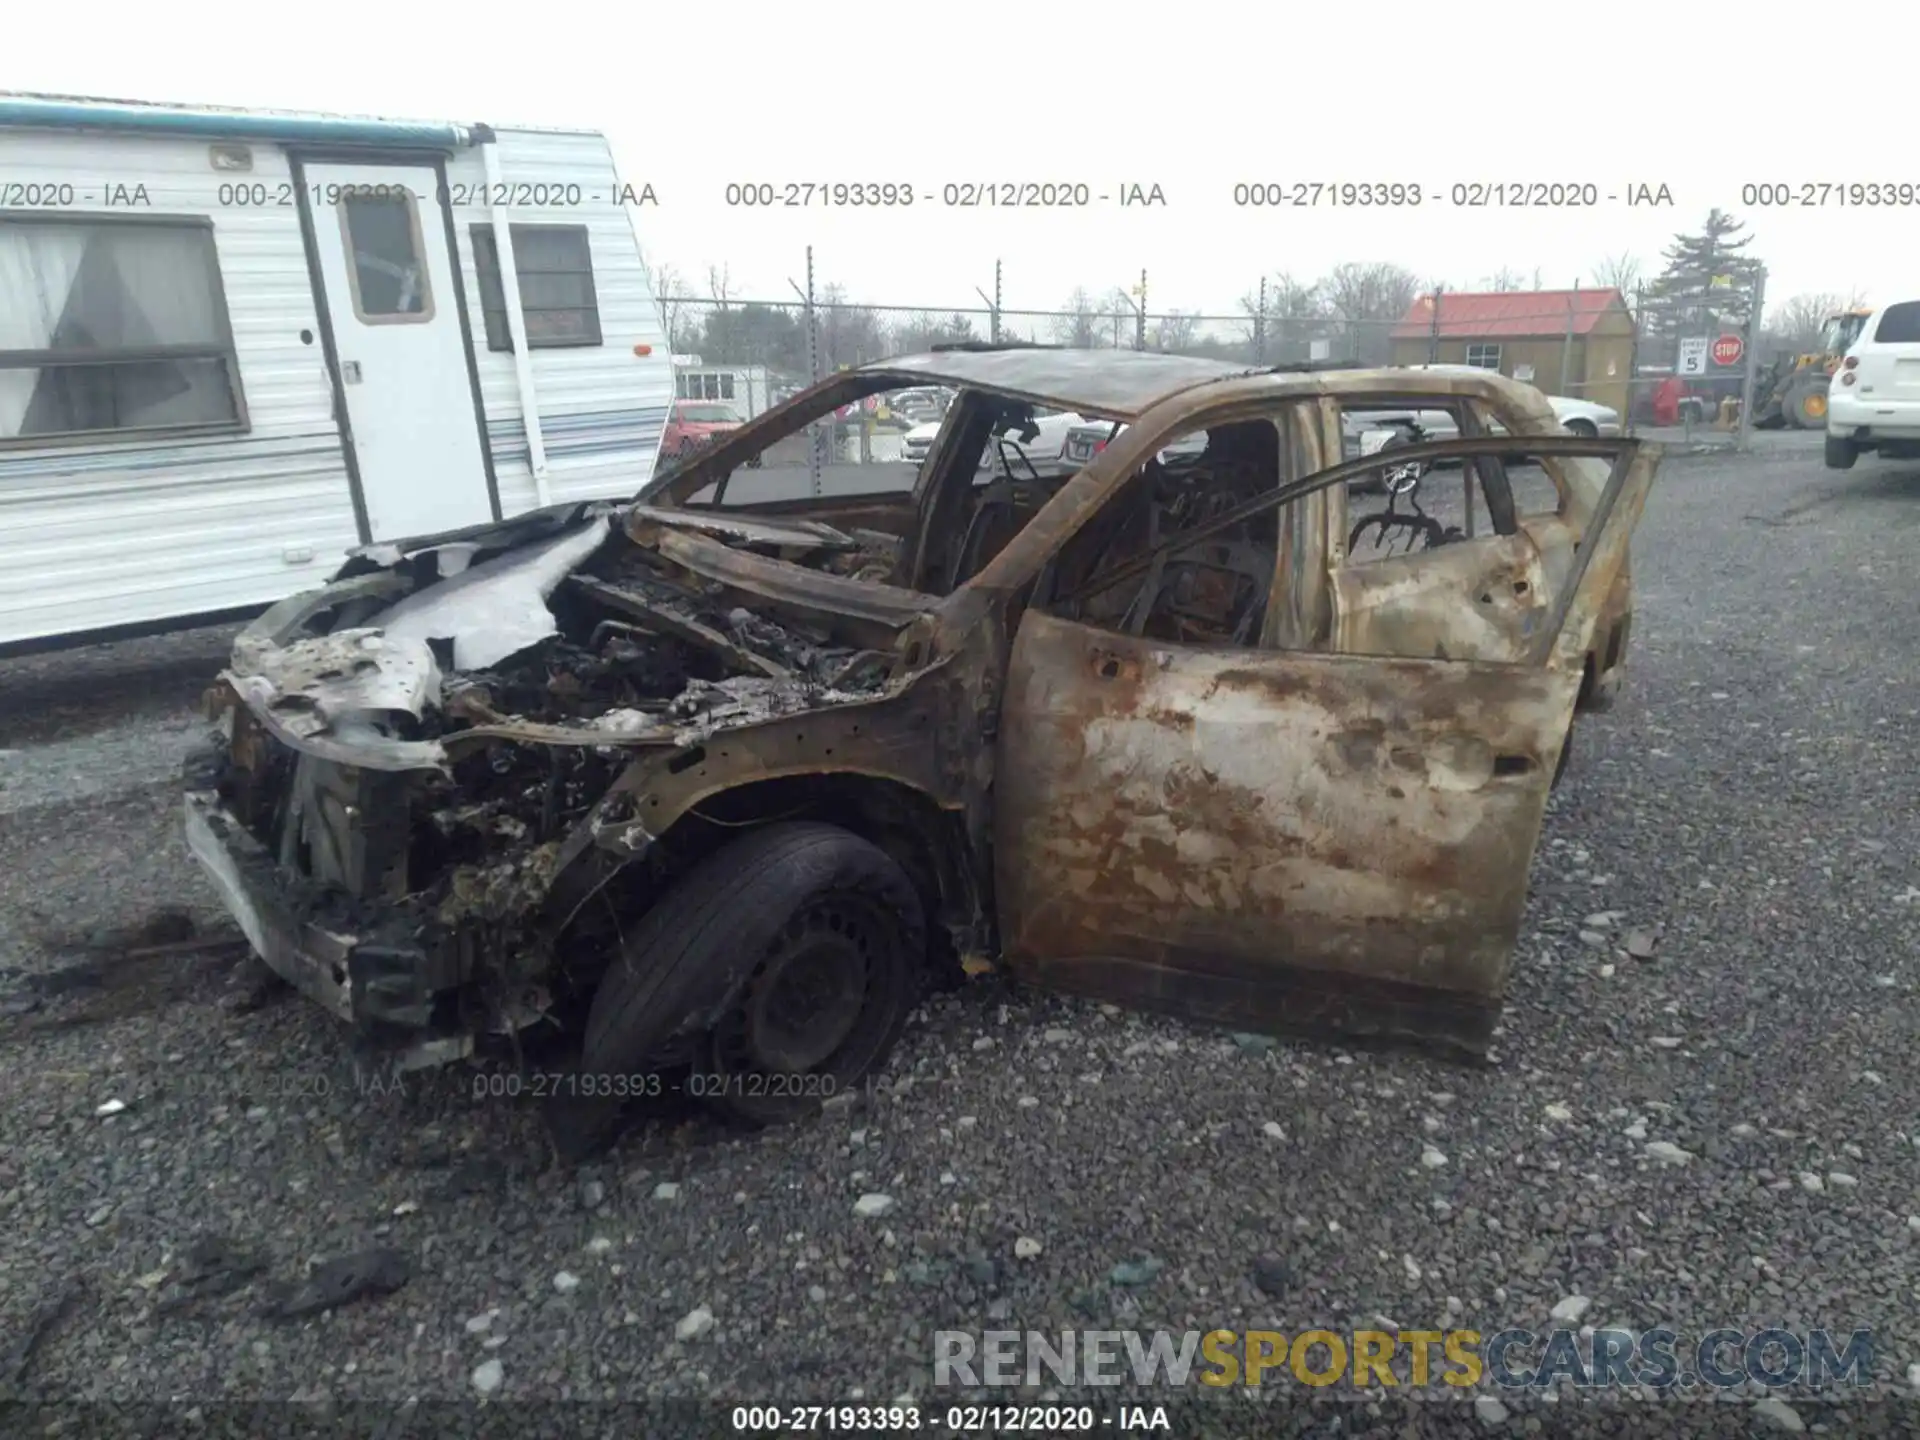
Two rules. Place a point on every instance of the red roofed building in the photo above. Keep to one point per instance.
(1567, 342)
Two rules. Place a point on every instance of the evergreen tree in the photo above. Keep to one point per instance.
(1685, 300)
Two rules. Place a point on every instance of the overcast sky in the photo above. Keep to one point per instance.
(1192, 97)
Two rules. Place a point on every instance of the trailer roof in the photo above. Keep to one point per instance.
(81, 112)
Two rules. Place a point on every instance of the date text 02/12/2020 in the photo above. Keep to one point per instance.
(902, 1418)
(647, 1084)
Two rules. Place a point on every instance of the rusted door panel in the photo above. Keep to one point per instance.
(1271, 838)
(1473, 600)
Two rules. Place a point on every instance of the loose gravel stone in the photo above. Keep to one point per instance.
(694, 1324)
(488, 1376)
(1776, 1414)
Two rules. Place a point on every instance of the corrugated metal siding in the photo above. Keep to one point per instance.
(100, 535)
(602, 409)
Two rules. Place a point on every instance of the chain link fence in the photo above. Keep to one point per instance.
(1620, 352)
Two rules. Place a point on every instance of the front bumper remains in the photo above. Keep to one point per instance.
(383, 977)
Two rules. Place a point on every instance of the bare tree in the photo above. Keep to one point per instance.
(1797, 323)
(1078, 325)
(1504, 280)
(1620, 272)
(720, 285)
(1368, 297)
(849, 334)
(1174, 330)
(670, 293)
(923, 331)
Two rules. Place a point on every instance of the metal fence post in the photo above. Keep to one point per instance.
(1140, 316)
(1566, 343)
(815, 460)
(1260, 326)
(1633, 357)
(1744, 437)
(1433, 331)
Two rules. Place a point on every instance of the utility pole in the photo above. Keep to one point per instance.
(1744, 437)
(1433, 330)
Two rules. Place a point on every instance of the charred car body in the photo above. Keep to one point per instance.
(722, 785)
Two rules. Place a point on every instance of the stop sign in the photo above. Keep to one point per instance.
(1728, 349)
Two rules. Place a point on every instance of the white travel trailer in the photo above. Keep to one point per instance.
(236, 345)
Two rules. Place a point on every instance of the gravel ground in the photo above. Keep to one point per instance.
(1748, 807)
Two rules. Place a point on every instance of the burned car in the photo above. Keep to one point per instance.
(724, 783)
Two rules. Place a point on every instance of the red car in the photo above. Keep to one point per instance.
(693, 424)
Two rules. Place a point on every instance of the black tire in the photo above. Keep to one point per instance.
(1840, 453)
(722, 942)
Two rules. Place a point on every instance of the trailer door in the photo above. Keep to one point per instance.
(391, 296)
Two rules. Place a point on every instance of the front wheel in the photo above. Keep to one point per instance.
(802, 943)
(1583, 429)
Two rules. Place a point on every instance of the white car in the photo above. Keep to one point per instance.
(1873, 400)
(1048, 445)
(1087, 440)
(1577, 417)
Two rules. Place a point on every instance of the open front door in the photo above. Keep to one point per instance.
(1275, 839)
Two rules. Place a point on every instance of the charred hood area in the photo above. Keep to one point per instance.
(414, 743)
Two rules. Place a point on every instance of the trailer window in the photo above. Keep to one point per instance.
(385, 270)
(557, 300)
(112, 328)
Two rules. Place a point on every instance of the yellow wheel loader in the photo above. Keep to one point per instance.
(1791, 390)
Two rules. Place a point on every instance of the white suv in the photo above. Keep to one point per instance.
(1873, 401)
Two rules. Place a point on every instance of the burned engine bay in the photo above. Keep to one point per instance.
(414, 742)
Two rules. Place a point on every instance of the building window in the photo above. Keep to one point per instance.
(557, 299)
(1484, 357)
(112, 328)
(726, 385)
(680, 386)
(385, 269)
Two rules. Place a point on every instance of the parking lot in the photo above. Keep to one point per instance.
(1705, 1110)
